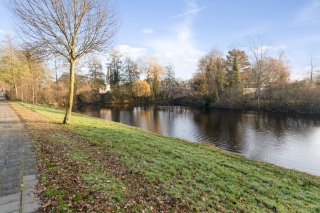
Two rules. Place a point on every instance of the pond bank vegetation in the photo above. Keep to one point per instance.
(102, 166)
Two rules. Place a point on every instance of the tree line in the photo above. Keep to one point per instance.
(70, 35)
(232, 81)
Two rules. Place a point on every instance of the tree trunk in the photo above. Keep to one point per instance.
(57, 83)
(71, 91)
(22, 94)
(57, 88)
(258, 98)
(15, 89)
(32, 96)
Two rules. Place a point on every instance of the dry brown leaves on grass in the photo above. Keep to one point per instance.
(63, 188)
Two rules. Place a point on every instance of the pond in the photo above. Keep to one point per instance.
(288, 140)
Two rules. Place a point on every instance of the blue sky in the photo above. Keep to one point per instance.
(181, 31)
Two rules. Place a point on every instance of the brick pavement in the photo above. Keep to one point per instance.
(17, 165)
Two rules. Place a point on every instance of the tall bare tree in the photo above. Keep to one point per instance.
(69, 28)
(34, 66)
(311, 70)
(154, 73)
(259, 48)
(11, 67)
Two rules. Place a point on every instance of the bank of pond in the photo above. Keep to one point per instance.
(290, 140)
(122, 168)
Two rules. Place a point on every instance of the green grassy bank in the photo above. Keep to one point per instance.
(93, 165)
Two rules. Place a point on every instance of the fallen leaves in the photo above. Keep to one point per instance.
(62, 187)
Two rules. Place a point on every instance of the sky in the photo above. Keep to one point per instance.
(180, 32)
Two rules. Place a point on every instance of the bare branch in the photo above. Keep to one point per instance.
(68, 28)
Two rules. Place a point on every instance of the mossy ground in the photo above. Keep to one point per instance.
(103, 166)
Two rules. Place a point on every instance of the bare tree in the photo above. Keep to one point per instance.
(311, 70)
(10, 65)
(33, 63)
(69, 28)
(259, 49)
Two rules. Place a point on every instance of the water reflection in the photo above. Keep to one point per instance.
(292, 141)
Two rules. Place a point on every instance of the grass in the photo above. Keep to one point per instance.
(103, 166)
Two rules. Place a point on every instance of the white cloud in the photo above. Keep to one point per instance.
(177, 45)
(1, 31)
(189, 12)
(147, 31)
(170, 54)
(178, 48)
(134, 52)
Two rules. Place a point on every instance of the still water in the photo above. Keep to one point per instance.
(291, 141)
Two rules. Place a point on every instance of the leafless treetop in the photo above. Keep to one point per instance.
(70, 28)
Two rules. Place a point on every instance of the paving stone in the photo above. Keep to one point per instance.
(13, 164)
(13, 169)
(29, 157)
(29, 167)
(12, 173)
(16, 154)
(12, 183)
(5, 134)
(29, 184)
(28, 191)
(11, 178)
(14, 151)
(2, 163)
(15, 144)
(10, 198)
(30, 172)
(9, 207)
(15, 141)
(29, 178)
(13, 158)
(10, 189)
(29, 198)
(30, 207)
(30, 162)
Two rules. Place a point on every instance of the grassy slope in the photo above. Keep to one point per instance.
(98, 165)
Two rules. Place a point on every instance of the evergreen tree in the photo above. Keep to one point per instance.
(236, 62)
(114, 69)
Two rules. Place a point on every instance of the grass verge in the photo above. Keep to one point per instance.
(93, 165)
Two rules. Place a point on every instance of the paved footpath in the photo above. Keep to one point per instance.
(17, 165)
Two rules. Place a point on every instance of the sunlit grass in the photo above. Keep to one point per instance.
(194, 176)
